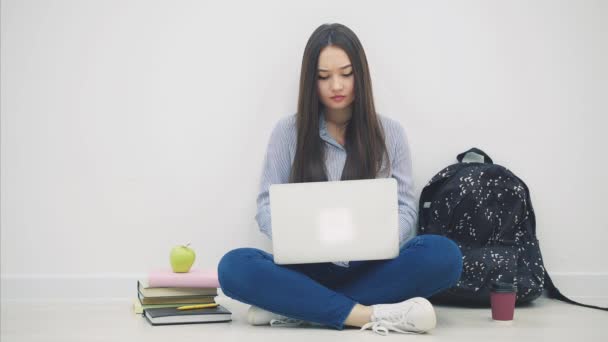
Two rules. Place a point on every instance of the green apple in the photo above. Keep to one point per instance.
(182, 258)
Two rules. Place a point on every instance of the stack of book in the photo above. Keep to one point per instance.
(166, 297)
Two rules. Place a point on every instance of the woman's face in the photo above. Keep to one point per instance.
(335, 78)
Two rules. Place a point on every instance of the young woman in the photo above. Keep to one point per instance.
(336, 134)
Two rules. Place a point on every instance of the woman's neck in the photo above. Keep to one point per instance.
(336, 121)
(338, 117)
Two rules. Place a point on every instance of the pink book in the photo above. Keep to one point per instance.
(194, 278)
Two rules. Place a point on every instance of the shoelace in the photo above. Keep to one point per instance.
(383, 326)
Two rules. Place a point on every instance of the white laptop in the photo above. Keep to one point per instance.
(334, 221)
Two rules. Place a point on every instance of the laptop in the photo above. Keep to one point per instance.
(334, 221)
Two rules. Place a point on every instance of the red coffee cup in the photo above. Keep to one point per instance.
(502, 299)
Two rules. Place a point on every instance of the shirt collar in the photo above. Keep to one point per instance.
(324, 134)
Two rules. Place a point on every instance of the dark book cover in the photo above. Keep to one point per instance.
(162, 316)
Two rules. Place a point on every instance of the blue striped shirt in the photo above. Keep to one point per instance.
(280, 155)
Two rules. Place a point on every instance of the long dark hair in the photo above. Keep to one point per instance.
(364, 137)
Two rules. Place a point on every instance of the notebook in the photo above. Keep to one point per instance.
(139, 308)
(334, 221)
(176, 300)
(195, 278)
(164, 316)
(148, 290)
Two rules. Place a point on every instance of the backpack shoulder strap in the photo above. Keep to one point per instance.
(553, 292)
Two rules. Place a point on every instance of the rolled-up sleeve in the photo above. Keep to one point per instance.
(275, 170)
(401, 166)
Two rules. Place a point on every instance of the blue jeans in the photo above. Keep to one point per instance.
(325, 293)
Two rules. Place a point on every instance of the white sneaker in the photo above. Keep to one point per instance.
(257, 316)
(415, 315)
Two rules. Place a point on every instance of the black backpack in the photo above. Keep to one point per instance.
(487, 211)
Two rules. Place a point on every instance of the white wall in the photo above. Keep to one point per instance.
(132, 126)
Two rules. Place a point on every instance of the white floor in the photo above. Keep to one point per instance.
(545, 320)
